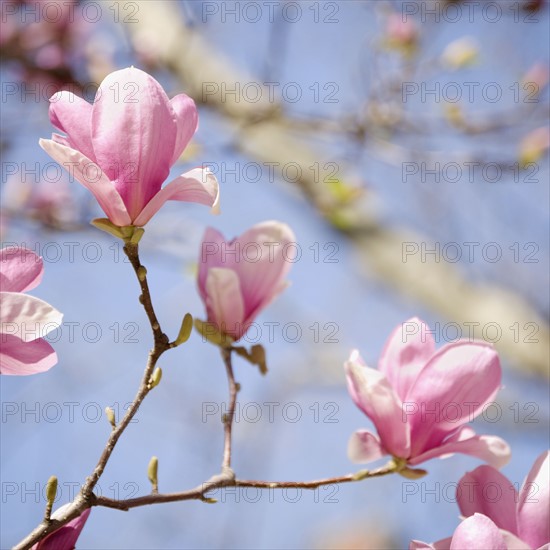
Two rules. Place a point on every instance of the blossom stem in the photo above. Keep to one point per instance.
(229, 416)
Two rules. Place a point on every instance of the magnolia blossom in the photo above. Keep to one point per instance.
(420, 399)
(401, 31)
(460, 53)
(64, 538)
(525, 515)
(24, 319)
(122, 147)
(476, 532)
(239, 278)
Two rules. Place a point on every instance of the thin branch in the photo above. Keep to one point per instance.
(226, 480)
(228, 418)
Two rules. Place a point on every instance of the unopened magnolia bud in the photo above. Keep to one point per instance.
(110, 416)
(141, 273)
(361, 474)
(155, 378)
(152, 472)
(51, 490)
(185, 329)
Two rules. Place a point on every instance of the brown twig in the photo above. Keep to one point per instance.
(228, 418)
(226, 480)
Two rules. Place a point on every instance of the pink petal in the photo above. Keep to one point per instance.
(224, 301)
(27, 317)
(407, 350)
(20, 358)
(197, 185)
(486, 491)
(187, 121)
(91, 177)
(20, 269)
(365, 447)
(513, 542)
(61, 140)
(73, 115)
(477, 532)
(133, 134)
(66, 537)
(262, 262)
(373, 394)
(451, 390)
(489, 448)
(210, 256)
(534, 504)
(443, 544)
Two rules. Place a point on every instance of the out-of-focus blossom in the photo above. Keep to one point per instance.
(474, 533)
(24, 319)
(460, 53)
(48, 201)
(534, 145)
(525, 514)
(537, 75)
(40, 39)
(401, 34)
(64, 538)
(239, 278)
(122, 147)
(420, 399)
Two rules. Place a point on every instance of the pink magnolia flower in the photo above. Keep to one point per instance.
(23, 318)
(239, 278)
(122, 147)
(64, 538)
(420, 399)
(526, 515)
(475, 532)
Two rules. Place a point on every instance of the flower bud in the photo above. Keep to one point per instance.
(155, 378)
(51, 490)
(110, 416)
(152, 472)
(142, 273)
(185, 329)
